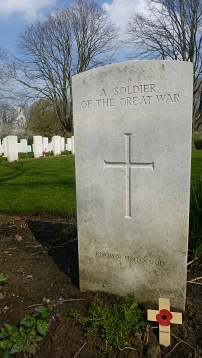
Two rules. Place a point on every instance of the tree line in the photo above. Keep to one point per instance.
(82, 37)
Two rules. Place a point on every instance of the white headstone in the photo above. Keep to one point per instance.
(73, 148)
(50, 146)
(12, 148)
(37, 146)
(45, 144)
(1, 148)
(56, 145)
(132, 127)
(69, 144)
(23, 146)
(62, 144)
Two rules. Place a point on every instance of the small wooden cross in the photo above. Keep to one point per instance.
(166, 317)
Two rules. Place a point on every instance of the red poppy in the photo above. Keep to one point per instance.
(164, 317)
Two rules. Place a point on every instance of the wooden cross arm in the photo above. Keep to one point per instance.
(164, 331)
(151, 315)
(177, 317)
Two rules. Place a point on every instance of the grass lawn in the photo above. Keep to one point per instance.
(47, 185)
(196, 165)
(44, 185)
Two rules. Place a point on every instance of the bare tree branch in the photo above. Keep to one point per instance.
(173, 30)
(67, 43)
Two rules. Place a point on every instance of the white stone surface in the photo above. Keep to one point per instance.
(62, 144)
(56, 145)
(45, 144)
(23, 146)
(50, 146)
(132, 127)
(37, 146)
(69, 144)
(12, 148)
(73, 147)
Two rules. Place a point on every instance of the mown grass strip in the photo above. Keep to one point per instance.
(47, 185)
(196, 166)
(44, 185)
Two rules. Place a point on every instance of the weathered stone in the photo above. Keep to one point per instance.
(132, 127)
(12, 148)
(37, 146)
(56, 145)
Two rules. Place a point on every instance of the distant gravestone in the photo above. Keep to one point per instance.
(69, 144)
(23, 146)
(56, 145)
(12, 148)
(62, 144)
(45, 144)
(132, 127)
(73, 147)
(37, 146)
(1, 148)
(50, 146)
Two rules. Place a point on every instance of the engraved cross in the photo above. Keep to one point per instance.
(128, 165)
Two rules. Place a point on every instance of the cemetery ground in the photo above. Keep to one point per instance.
(39, 255)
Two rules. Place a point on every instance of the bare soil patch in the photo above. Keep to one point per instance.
(40, 256)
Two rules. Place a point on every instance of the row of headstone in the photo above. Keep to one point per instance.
(10, 146)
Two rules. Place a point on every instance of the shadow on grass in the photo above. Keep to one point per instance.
(60, 241)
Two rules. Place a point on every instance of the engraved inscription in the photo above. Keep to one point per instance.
(166, 98)
(131, 95)
(108, 255)
(133, 259)
(86, 104)
(103, 92)
(133, 101)
(135, 89)
(128, 165)
(108, 102)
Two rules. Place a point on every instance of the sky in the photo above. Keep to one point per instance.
(15, 14)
